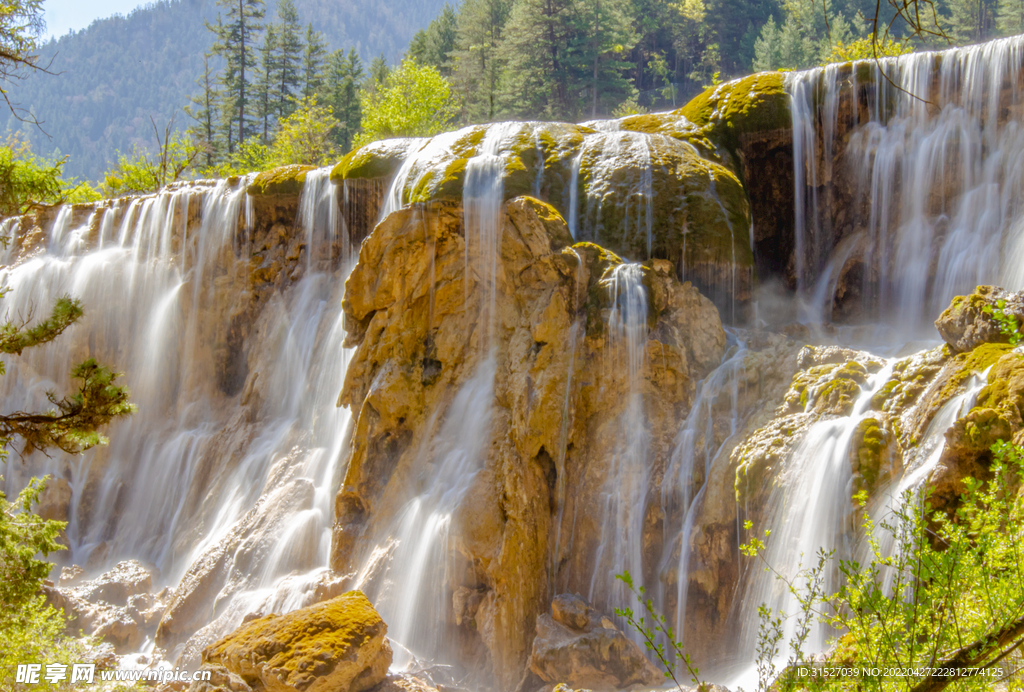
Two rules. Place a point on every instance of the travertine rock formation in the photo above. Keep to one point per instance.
(422, 328)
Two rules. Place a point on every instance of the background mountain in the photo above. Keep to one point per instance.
(119, 71)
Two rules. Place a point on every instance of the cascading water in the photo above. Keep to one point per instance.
(411, 592)
(209, 443)
(603, 154)
(930, 179)
(694, 452)
(624, 496)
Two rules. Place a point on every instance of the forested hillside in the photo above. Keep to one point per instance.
(528, 59)
(115, 74)
(574, 59)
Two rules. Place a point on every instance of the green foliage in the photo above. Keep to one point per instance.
(305, 136)
(28, 181)
(1010, 17)
(947, 596)
(435, 44)
(652, 625)
(236, 43)
(140, 172)
(289, 57)
(477, 64)
(863, 49)
(344, 81)
(313, 61)
(413, 101)
(1008, 326)
(23, 536)
(30, 630)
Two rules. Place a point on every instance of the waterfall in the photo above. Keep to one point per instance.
(695, 450)
(624, 496)
(234, 447)
(411, 591)
(929, 184)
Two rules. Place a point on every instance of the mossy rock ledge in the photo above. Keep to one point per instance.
(641, 195)
(339, 645)
(284, 180)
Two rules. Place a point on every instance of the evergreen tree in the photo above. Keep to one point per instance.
(266, 86)
(603, 35)
(434, 45)
(313, 58)
(203, 110)
(379, 72)
(1010, 17)
(289, 57)
(477, 63)
(236, 43)
(971, 21)
(344, 81)
(535, 82)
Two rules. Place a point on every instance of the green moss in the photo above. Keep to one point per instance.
(883, 395)
(757, 103)
(971, 362)
(375, 160)
(303, 641)
(286, 180)
(867, 447)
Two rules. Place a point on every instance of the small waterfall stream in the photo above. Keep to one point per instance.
(625, 491)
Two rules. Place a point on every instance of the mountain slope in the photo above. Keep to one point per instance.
(119, 71)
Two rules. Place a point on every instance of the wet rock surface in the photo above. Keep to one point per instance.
(415, 319)
(118, 607)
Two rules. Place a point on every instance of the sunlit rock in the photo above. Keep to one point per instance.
(337, 646)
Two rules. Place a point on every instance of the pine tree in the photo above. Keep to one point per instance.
(313, 62)
(603, 35)
(236, 43)
(434, 45)
(1010, 17)
(971, 21)
(477, 63)
(289, 57)
(344, 81)
(535, 82)
(266, 86)
(379, 71)
(204, 112)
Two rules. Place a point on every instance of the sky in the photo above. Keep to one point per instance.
(71, 15)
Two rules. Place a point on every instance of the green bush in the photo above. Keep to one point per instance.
(948, 598)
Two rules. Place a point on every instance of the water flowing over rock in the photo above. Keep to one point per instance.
(640, 188)
(907, 188)
(477, 375)
(520, 417)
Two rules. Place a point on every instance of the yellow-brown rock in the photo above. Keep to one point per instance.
(339, 645)
(422, 326)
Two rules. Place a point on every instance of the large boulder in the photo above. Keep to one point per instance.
(339, 645)
(583, 648)
(638, 188)
(970, 321)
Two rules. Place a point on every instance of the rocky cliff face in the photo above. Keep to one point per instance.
(530, 519)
